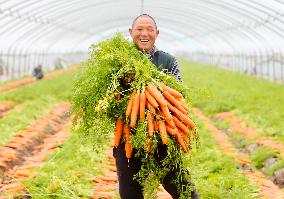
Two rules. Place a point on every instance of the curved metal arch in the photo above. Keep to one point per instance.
(63, 15)
(246, 13)
(27, 30)
(254, 18)
(233, 9)
(110, 26)
(265, 21)
(72, 13)
(270, 15)
(254, 32)
(53, 30)
(245, 34)
(52, 24)
(249, 34)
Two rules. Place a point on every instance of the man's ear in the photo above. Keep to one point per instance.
(158, 32)
(130, 31)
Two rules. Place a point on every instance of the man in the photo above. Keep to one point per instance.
(37, 72)
(144, 33)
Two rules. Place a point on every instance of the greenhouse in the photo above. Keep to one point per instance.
(180, 99)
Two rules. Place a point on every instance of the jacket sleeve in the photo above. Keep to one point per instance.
(175, 70)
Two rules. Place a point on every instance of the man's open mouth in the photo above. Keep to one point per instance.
(144, 41)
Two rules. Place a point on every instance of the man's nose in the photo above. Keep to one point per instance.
(144, 32)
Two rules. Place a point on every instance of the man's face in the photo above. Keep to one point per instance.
(144, 33)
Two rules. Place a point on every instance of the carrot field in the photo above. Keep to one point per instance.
(239, 119)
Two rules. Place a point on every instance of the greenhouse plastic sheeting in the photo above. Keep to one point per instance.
(224, 32)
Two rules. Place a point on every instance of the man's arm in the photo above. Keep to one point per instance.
(175, 70)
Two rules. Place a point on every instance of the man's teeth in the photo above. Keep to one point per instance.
(144, 40)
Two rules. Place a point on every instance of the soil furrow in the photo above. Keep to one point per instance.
(23, 82)
(5, 107)
(267, 188)
(239, 125)
(11, 183)
(25, 142)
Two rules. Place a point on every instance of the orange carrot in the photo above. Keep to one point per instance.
(142, 105)
(175, 93)
(182, 117)
(128, 150)
(181, 142)
(156, 127)
(181, 126)
(150, 107)
(127, 134)
(151, 124)
(135, 109)
(151, 99)
(183, 103)
(156, 94)
(174, 101)
(163, 131)
(171, 130)
(129, 105)
(170, 122)
(186, 120)
(148, 145)
(167, 113)
(186, 139)
(118, 131)
(172, 108)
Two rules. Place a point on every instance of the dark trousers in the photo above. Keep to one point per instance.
(126, 169)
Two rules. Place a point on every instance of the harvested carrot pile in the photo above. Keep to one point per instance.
(146, 105)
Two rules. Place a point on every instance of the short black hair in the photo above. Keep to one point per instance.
(145, 15)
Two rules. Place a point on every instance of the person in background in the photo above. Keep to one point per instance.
(37, 72)
(144, 33)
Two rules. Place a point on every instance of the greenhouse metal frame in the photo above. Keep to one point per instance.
(240, 35)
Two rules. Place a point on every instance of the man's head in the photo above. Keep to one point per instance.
(144, 32)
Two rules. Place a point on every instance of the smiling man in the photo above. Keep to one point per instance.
(144, 33)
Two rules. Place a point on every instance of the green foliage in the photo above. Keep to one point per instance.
(278, 165)
(117, 67)
(215, 90)
(215, 174)
(222, 124)
(58, 87)
(68, 172)
(21, 118)
(260, 155)
(36, 100)
(239, 140)
(111, 62)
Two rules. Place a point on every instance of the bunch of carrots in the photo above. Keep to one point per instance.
(165, 111)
